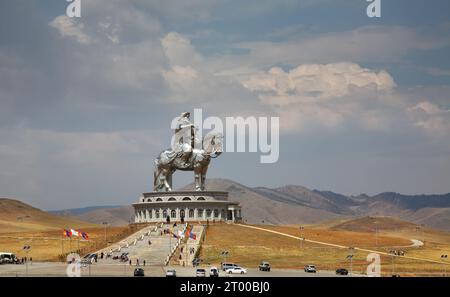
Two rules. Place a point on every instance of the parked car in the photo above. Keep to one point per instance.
(264, 266)
(171, 273)
(8, 258)
(139, 272)
(213, 272)
(89, 259)
(200, 272)
(310, 269)
(236, 270)
(341, 271)
(226, 266)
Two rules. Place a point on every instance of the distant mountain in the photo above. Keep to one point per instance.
(114, 215)
(16, 216)
(80, 211)
(270, 206)
(293, 204)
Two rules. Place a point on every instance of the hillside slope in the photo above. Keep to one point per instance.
(16, 216)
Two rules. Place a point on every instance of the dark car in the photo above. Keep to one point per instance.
(139, 272)
(264, 266)
(341, 271)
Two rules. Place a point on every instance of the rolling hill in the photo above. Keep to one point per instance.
(17, 216)
(293, 204)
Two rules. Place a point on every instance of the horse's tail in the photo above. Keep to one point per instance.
(156, 173)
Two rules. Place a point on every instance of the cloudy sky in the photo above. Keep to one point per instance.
(86, 104)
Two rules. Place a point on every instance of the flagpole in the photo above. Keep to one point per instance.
(62, 244)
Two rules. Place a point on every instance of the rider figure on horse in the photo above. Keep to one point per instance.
(185, 137)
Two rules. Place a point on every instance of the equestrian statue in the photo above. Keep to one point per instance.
(188, 153)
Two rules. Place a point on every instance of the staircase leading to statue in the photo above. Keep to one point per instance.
(153, 244)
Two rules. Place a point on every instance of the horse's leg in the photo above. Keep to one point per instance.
(203, 176)
(157, 184)
(166, 183)
(169, 180)
(197, 176)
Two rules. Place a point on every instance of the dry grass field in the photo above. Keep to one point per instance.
(249, 247)
(50, 245)
(22, 224)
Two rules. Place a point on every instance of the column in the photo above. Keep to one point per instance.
(232, 215)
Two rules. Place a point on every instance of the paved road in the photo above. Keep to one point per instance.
(344, 247)
(50, 269)
(254, 272)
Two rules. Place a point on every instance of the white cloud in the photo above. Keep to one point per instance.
(324, 94)
(313, 83)
(68, 27)
(179, 50)
(430, 117)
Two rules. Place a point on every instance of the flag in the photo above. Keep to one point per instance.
(67, 233)
(74, 233)
(180, 234)
(84, 235)
(175, 235)
(192, 235)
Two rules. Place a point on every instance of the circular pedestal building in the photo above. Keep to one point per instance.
(186, 206)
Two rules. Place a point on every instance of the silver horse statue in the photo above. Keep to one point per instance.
(198, 161)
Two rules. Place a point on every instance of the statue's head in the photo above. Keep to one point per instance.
(185, 114)
(212, 144)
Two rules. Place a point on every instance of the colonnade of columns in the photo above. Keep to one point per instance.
(160, 214)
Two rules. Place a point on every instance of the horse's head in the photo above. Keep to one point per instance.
(213, 144)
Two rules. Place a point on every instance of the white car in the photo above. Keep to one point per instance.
(200, 272)
(236, 270)
(310, 269)
(171, 273)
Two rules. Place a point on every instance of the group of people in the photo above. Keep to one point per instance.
(137, 262)
(25, 260)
